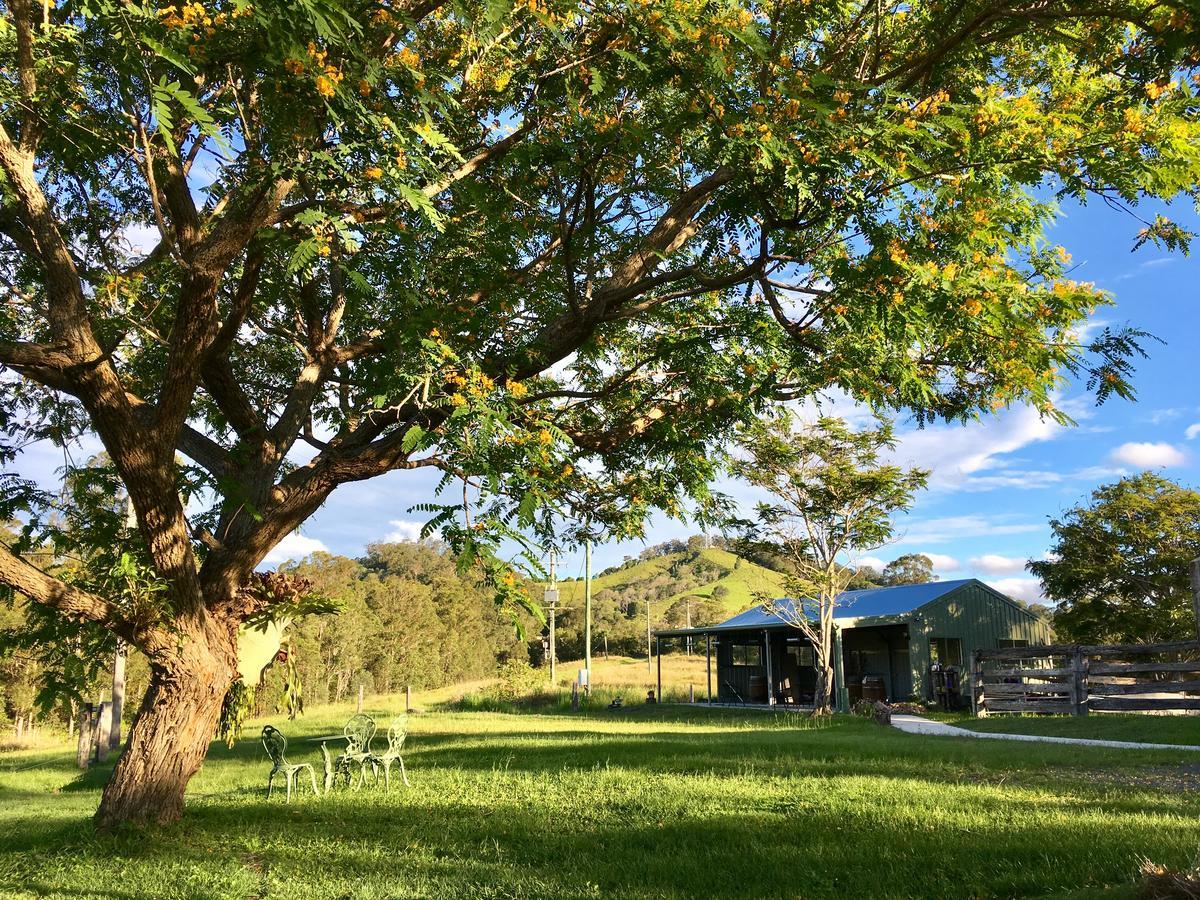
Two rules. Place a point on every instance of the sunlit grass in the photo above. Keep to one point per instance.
(1103, 726)
(665, 801)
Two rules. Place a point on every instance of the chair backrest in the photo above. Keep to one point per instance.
(397, 732)
(275, 744)
(359, 731)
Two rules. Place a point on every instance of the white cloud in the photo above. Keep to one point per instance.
(1143, 266)
(968, 457)
(952, 528)
(994, 564)
(294, 547)
(1193, 431)
(1158, 416)
(402, 531)
(1027, 589)
(140, 239)
(942, 562)
(1095, 473)
(1147, 455)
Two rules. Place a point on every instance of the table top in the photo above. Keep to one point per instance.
(328, 737)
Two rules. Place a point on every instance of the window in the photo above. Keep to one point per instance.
(1009, 644)
(747, 655)
(946, 651)
(802, 655)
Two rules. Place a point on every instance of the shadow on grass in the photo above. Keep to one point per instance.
(848, 809)
(805, 847)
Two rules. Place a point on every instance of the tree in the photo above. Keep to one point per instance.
(832, 498)
(1118, 567)
(912, 568)
(550, 251)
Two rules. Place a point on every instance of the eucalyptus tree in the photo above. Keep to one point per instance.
(832, 497)
(549, 249)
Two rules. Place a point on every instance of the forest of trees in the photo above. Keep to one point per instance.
(407, 617)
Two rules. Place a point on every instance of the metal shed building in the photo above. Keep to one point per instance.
(897, 634)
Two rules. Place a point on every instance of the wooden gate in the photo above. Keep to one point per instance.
(1073, 679)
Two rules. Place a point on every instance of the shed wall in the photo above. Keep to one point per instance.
(978, 618)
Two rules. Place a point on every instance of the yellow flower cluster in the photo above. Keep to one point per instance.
(330, 77)
(185, 16)
(191, 15)
(409, 57)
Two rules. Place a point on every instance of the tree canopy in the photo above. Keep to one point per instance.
(1118, 567)
(549, 250)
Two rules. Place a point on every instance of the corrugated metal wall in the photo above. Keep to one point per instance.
(975, 616)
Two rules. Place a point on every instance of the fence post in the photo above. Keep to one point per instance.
(691, 693)
(978, 704)
(408, 698)
(574, 696)
(84, 753)
(1079, 686)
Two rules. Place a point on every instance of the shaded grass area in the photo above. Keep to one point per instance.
(1102, 726)
(644, 802)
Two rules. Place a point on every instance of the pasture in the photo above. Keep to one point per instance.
(644, 802)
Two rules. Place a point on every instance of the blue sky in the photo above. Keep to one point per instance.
(995, 482)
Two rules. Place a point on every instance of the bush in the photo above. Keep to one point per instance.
(518, 679)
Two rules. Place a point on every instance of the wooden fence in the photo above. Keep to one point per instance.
(1073, 679)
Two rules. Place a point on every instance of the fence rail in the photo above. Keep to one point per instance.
(1070, 679)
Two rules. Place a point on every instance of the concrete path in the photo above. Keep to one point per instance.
(920, 725)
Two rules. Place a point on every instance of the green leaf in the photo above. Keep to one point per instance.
(412, 438)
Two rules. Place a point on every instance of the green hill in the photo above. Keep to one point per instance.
(714, 583)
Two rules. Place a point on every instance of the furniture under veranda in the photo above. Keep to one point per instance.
(276, 746)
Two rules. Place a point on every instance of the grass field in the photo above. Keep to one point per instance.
(646, 802)
(678, 671)
(1105, 726)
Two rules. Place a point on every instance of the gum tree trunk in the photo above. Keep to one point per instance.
(171, 734)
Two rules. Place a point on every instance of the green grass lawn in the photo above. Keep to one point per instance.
(1104, 726)
(646, 802)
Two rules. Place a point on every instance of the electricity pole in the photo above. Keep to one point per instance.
(1195, 574)
(688, 601)
(587, 612)
(551, 598)
(649, 667)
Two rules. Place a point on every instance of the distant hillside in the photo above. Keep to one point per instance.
(715, 583)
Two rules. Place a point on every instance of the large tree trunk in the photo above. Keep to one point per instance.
(172, 732)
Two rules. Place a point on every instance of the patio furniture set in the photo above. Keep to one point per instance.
(350, 766)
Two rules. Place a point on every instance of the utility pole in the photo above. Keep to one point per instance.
(649, 667)
(688, 601)
(551, 597)
(587, 613)
(1195, 572)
